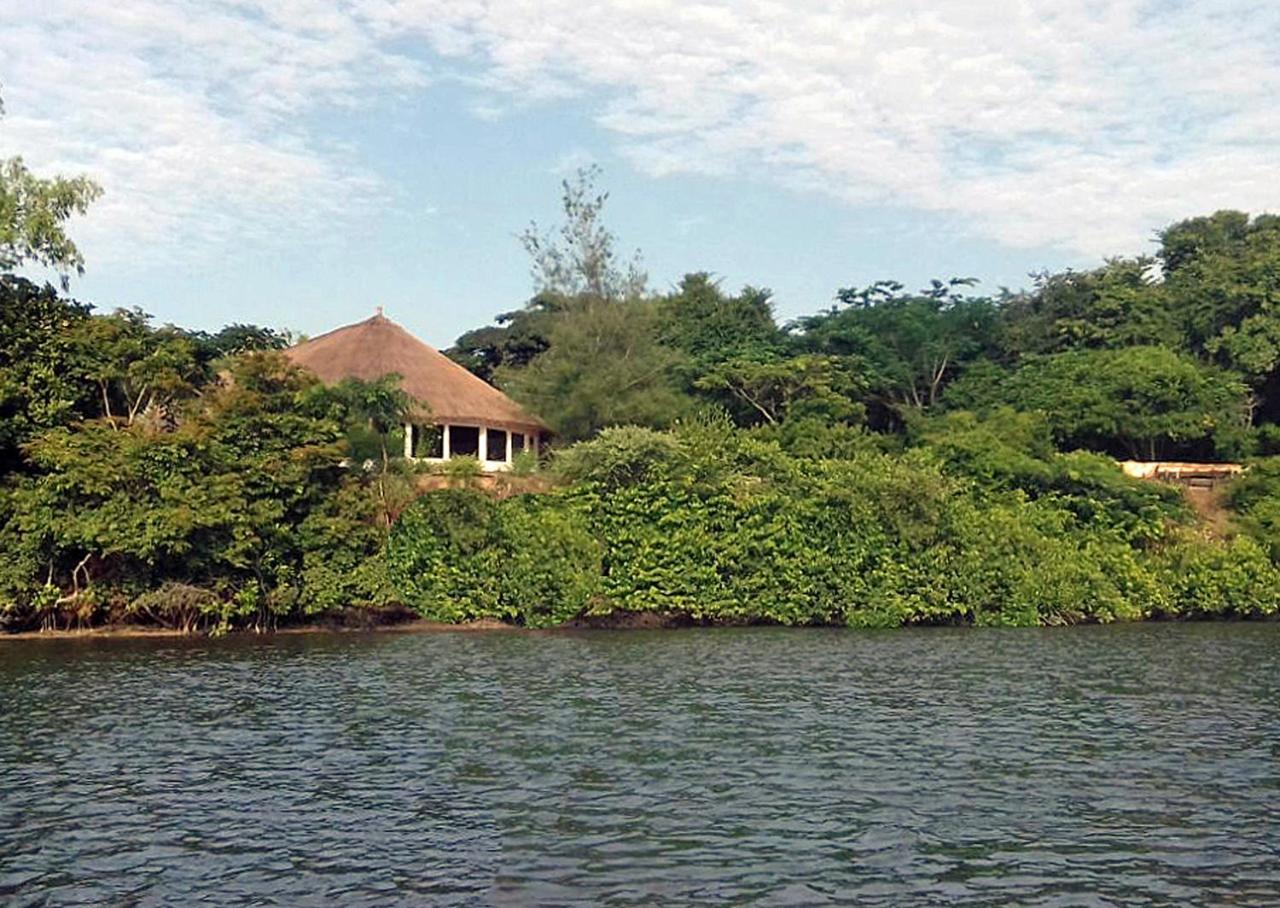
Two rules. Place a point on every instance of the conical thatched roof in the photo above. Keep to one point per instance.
(378, 346)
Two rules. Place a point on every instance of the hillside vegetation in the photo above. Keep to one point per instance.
(900, 456)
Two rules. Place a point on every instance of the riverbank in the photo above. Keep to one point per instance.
(617, 621)
(133, 631)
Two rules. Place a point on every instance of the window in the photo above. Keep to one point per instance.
(497, 445)
(428, 441)
(517, 442)
(464, 441)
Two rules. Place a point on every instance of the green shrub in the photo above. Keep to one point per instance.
(1214, 579)
(550, 564)
(620, 456)
(444, 556)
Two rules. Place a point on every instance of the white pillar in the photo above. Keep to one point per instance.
(444, 442)
(483, 453)
(508, 445)
(408, 440)
(534, 438)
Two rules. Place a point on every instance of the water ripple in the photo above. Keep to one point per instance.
(1086, 766)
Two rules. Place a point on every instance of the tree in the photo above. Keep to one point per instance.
(579, 259)
(777, 389)
(513, 342)
(43, 383)
(32, 213)
(711, 326)
(1120, 304)
(137, 370)
(1141, 402)
(236, 339)
(604, 366)
(381, 406)
(914, 343)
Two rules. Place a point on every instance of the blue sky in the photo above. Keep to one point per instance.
(300, 162)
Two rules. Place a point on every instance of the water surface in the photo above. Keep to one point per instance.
(1135, 765)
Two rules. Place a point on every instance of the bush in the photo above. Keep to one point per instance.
(620, 456)
(550, 564)
(444, 556)
(1216, 579)
(728, 528)
(178, 606)
(456, 555)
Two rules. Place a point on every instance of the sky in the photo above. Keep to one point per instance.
(298, 163)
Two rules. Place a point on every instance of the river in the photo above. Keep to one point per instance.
(1135, 765)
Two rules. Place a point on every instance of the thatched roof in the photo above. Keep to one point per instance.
(376, 347)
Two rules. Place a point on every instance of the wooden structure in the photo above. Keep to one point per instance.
(456, 414)
(1203, 476)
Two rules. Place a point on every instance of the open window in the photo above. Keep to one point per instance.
(428, 441)
(496, 442)
(464, 441)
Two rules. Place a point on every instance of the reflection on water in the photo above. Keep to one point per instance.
(1096, 765)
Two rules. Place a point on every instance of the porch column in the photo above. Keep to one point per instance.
(483, 453)
(408, 441)
(509, 433)
(444, 442)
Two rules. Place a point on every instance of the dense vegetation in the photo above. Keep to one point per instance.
(930, 456)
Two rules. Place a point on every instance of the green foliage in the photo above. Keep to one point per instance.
(551, 564)
(1011, 450)
(524, 463)
(1208, 579)
(33, 211)
(991, 528)
(139, 372)
(902, 458)
(456, 555)
(1141, 402)
(444, 556)
(1118, 305)
(245, 490)
(42, 374)
(710, 327)
(462, 470)
(514, 341)
(605, 366)
(776, 389)
(619, 456)
(376, 414)
(579, 260)
(234, 340)
(914, 344)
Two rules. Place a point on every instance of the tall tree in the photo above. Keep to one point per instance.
(33, 211)
(1118, 305)
(137, 369)
(775, 389)
(43, 378)
(512, 341)
(605, 366)
(580, 258)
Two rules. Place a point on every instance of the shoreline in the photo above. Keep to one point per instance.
(141, 632)
(619, 621)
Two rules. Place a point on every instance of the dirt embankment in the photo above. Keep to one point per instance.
(1211, 507)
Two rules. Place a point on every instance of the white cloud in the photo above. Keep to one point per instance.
(1082, 125)
(1074, 123)
(187, 112)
